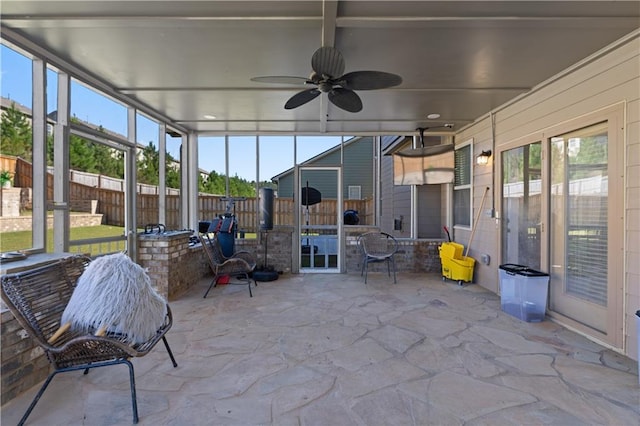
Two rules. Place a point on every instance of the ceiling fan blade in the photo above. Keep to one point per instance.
(328, 61)
(346, 99)
(369, 80)
(302, 98)
(281, 79)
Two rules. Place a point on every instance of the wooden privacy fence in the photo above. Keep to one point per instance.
(8, 163)
(247, 211)
(115, 184)
(111, 204)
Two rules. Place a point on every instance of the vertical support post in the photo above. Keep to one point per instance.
(226, 165)
(414, 212)
(256, 222)
(296, 245)
(339, 219)
(39, 131)
(185, 180)
(162, 174)
(130, 192)
(61, 201)
(377, 184)
(190, 181)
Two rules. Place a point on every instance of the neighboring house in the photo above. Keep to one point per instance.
(357, 173)
(5, 103)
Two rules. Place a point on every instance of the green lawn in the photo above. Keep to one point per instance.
(21, 240)
(11, 241)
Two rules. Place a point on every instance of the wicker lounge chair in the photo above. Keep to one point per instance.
(38, 297)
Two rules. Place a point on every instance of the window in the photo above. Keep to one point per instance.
(462, 185)
(355, 192)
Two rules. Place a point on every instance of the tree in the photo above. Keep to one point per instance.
(82, 155)
(149, 168)
(215, 184)
(590, 158)
(91, 157)
(109, 161)
(172, 174)
(239, 187)
(148, 165)
(16, 134)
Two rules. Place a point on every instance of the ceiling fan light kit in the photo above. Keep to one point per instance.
(328, 76)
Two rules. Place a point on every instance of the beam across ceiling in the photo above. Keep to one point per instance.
(328, 38)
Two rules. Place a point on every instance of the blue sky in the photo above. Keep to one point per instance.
(86, 105)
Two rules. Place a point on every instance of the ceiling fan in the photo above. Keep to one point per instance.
(327, 64)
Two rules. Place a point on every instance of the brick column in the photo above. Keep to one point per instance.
(172, 265)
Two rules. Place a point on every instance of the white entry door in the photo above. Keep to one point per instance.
(319, 201)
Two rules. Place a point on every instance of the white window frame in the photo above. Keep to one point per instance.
(469, 186)
(357, 189)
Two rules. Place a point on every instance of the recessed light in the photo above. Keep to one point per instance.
(433, 116)
(209, 116)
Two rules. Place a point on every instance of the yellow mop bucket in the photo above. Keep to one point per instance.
(455, 266)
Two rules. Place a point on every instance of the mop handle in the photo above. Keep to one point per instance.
(475, 224)
(447, 231)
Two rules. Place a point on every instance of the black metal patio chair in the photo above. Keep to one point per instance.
(378, 247)
(238, 267)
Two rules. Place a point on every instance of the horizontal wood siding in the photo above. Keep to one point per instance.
(611, 79)
(358, 167)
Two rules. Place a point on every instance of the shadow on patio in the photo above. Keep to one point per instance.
(330, 350)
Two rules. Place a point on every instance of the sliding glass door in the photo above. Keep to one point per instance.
(579, 200)
(522, 205)
(563, 213)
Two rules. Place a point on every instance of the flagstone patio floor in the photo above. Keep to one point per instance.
(328, 350)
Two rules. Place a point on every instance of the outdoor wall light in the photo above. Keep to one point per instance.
(483, 158)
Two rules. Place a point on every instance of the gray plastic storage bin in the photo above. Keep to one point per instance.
(523, 292)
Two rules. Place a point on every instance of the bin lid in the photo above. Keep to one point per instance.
(512, 269)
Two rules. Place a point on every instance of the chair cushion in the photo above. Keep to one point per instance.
(116, 293)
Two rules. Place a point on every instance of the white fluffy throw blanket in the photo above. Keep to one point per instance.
(116, 293)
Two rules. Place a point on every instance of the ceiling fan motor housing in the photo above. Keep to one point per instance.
(325, 86)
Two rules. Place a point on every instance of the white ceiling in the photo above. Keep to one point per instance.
(187, 59)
